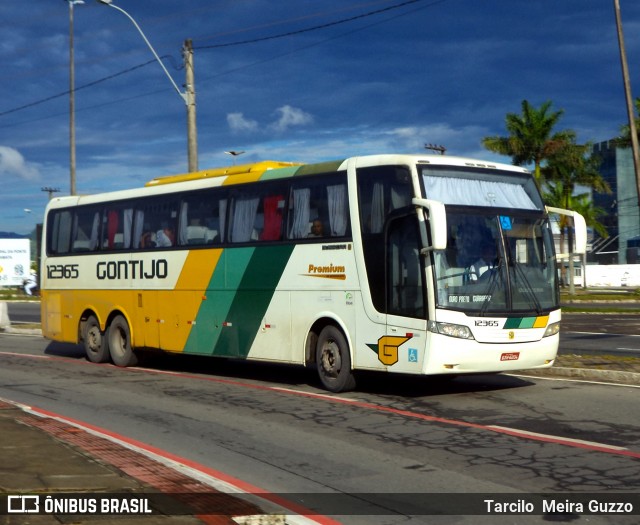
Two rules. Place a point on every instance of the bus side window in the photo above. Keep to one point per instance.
(257, 214)
(319, 208)
(86, 228)
(116, 229)
(273, 206)
(299, 212)
(244, 212)
(59, 228)
(201, 217)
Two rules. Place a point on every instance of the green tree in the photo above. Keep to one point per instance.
(568, 168)
(531, 139)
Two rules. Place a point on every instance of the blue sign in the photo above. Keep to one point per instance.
(505, 222)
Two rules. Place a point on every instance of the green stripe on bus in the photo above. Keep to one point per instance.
(519, 322)
(220, 294)
(279, 173)
(252, 299)
(230, 318)
(321, 167)
(528, 322)
(512, 322)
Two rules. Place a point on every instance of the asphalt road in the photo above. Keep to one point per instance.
(24, 311)
(393, 439)
(617, 334)
(591, 333)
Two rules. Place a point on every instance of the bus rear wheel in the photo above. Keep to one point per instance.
(333, 360)
(119, 338)
(95, 342)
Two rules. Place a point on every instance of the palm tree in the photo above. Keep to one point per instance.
(571, 166)
(557, 196)
(530, 139)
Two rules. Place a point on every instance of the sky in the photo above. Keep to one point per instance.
(290, 80)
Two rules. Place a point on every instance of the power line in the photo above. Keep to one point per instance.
(320, 42)
(64, 93)
(317, 27)
(233, 70)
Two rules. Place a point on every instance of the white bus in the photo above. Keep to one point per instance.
(426, 265)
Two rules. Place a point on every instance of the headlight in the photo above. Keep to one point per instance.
(450, 329)
(552, 329)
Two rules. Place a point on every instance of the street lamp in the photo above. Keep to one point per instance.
(72, 102)
(188, 96)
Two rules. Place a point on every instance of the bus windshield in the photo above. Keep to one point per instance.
(499, 257)
(496, 264)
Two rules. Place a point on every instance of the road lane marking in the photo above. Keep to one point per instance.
(596, 447)
(607, 334)
(555, 439)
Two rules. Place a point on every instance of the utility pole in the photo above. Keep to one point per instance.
(627, 90)
(438, 149)
(190, 92)
(50, 191)
(72, 103)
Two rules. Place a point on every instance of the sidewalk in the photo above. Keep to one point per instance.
(43, 456)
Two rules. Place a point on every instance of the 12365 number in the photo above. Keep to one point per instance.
(62, 271)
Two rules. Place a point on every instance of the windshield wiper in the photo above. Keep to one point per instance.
(528, 288)
(493, 281)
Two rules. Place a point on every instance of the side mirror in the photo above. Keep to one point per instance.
(579, 226)
(437, 222)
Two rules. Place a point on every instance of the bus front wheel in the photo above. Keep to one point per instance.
(333, 360)
(95, 342)
(119, 338)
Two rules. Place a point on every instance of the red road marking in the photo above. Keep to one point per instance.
(595, 447)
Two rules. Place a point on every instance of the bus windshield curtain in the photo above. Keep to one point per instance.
(469, 192)
(244, 216)
(301, 212)
(337, 197)
(273, 208)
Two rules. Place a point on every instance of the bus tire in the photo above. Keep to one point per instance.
(95, 341)
(119, 338)
(333, 360)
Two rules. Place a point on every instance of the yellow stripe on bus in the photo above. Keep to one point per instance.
(178, 309)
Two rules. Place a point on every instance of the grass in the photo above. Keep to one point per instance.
(15, 293)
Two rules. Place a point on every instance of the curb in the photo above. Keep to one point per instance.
(587, 374)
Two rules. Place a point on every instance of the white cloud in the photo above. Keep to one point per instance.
(290, 116)
(12, 163)
(238, 123)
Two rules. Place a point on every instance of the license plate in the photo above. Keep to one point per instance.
(510, 356)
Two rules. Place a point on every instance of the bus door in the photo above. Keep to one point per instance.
(405, 293)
